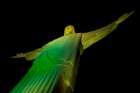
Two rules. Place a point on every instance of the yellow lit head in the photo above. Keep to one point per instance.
(69, 30)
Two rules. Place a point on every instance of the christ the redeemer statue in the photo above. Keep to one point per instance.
(55, 64)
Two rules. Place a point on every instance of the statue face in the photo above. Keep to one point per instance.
(69, 30)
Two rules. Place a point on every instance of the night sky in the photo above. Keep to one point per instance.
(107, 66)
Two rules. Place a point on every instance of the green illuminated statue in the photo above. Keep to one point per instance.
(55, 64)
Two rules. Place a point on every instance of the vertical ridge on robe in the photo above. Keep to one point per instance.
(36, 78)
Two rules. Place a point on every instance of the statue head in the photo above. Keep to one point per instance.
(69, 30)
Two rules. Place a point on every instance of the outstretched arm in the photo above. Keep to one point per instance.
(92, 37)
(28, 55)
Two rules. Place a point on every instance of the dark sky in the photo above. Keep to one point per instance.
(103, 67)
